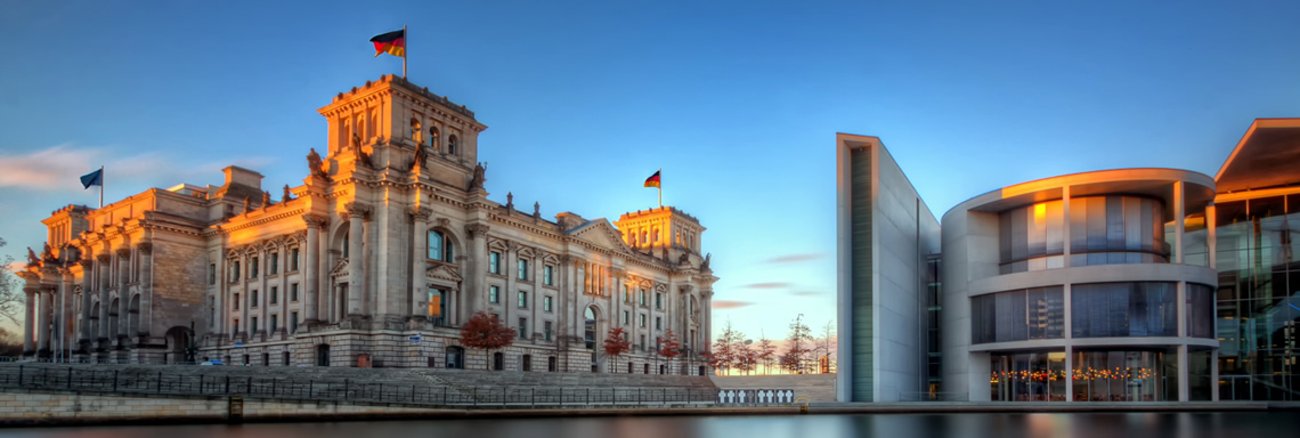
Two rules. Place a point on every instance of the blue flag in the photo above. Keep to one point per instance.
(95, 178)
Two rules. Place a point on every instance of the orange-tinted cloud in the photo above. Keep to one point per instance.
(730, 304)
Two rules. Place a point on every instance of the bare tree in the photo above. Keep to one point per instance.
(12, 300)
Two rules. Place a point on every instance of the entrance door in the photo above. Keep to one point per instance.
(455, 358)
(323, 355)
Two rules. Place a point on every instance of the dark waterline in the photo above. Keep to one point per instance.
(1103, 425)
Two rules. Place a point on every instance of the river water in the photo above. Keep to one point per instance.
(1102, 425)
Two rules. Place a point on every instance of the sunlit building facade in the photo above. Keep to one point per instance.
(1082, 287)
(1118, 285)
(386, 248)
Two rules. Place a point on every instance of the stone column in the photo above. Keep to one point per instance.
(145, 253)
(311, 299)
(123, 292)
(1180, 216)
(102, 274)
(420, 241)
(29, 322)
(356, 259)
(45, 310)
(472, 296)
(87, 285)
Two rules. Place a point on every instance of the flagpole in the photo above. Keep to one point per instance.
(661, 188)
(406, 46)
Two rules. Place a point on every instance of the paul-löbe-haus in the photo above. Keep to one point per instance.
(388, 246)
(1117, 285)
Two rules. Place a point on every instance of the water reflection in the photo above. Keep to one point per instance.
(1106, 425)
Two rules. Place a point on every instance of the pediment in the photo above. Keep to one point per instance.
(340, 267)
(443, 271)
(600, 233)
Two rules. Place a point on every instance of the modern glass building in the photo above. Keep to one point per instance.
(1119, 285)
(1080, 287)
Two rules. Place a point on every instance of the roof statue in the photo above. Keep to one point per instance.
(480, 176)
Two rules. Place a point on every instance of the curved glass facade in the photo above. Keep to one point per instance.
(1020, 315)
(1032, 237)
(1117, 230)
(1124, 309)
(1132, 375)
(1028, 376)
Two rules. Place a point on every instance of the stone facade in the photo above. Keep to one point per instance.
(385, 249)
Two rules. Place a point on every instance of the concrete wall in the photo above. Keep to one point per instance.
(29, 407)
(885, 232)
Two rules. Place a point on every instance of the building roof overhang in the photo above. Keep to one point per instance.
(1267, 156)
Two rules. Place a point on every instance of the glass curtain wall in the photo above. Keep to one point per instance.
(1028, 376)
(1033, 237)
(1019, 315)
(1117, 230)
(1258, 298)
(1125, 375)
(1124, 309)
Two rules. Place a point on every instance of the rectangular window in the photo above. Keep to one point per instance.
(642, 320)
(627, 294)
(252, 300)
(252, 268)
(548, 275)
(494, 294)
(523, 328)
(523, 299)
(627, 317)
(645, 297)
(293, 322)
(494, 262)
(547, 329)
(640, 345)
(293, 292)
(234, 272)
(523, 269)
(275, 323)
(275, 294)
(293, 259)
(236, 301)
(548, 303)
(254, 327)
(659, 300)
(659, 323)
(275, 264)
(234, 330)
(212, 273)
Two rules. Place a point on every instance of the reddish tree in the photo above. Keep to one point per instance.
(616, 343)
(669, 346)
(484, 331)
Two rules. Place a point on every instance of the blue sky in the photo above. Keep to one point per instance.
(738, 102)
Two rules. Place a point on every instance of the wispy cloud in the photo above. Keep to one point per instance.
(806, 293)
(59, 168)
(730, 304)
(767, 285)
(52, 168)
(789, 259)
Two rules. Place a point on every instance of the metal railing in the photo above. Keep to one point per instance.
(143, 382)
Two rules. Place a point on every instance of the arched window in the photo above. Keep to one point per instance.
(346, 236)
(439, 246)
(453, 145)
(417, 131)
(589, 326)
(133, 316)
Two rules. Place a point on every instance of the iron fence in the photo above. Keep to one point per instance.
(141, 382)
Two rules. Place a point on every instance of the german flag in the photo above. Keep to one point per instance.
(653, 180)
(392, 43)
